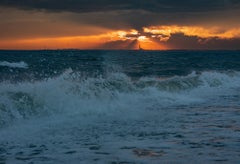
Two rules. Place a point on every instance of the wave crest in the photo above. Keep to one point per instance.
(20, 64)
(112, 94)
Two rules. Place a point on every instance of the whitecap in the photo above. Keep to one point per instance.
(20, 64)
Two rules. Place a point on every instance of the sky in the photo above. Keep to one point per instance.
(120, 24)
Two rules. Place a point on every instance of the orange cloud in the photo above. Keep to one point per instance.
(165, 32)
(78, 42)
(150, 38)
(130, 37)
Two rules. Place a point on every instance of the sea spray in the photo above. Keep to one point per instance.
(120, 107)
(109, 95)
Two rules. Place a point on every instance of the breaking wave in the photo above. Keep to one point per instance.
(114, 94)
(20, 64)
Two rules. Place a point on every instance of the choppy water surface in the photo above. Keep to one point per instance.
(119, 107)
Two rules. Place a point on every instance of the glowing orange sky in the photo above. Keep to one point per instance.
(149, 38)
(82, 42)
(119, 25)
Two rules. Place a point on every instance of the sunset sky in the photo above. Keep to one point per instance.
(120, 24)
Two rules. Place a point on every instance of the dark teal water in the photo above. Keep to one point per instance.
(45, 64)
(119, 106)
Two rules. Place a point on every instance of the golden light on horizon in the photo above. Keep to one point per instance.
(151, 45)
(81, 42)
(24, 28)
(151, 38)
(78, 42)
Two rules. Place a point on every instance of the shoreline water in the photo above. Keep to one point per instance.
(119, 106)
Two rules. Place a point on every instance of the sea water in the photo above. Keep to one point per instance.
(119, 107)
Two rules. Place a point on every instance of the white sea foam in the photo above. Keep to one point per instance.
(20, 64)
(111, 95)
(75, 118)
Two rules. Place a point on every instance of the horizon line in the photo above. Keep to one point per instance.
(76, 49)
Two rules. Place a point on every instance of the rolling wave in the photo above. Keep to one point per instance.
(112, 94)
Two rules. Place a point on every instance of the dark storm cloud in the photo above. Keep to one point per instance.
(156, 6)
(121, 14)
(59, 18)
(180, 41)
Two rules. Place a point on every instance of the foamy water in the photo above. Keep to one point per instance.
(113, 117)
(20, 64)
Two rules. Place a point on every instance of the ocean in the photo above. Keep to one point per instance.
(119, 107)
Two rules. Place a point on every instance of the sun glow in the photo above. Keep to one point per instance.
(123, 35)
(151, 38)
(142, 39)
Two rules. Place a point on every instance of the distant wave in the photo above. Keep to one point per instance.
(14, 64)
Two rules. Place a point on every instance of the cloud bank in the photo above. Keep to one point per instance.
(157, 6)
(209, 24)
